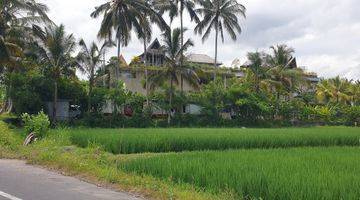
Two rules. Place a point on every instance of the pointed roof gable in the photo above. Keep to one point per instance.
(123, 62)
(154, 45)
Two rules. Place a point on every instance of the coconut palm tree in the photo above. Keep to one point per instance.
(8, 53)
(354, 93)
(257, 68)
(173, 68)
(89, 60)
(177, 8)
(285, 78)
(281, 55)
(16, 18)
(335, 90)
(145, 35)
(219, 15)
(54, 48)
(121, 17)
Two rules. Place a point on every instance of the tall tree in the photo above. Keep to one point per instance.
(54, 48)
(145, 35)
(335, 90)
(219, 15)
(257, 68)
(16, 17)
(121, 17)
(177, 8)
(90, 60)
(173, 68)
(284, 78)
(281, 55)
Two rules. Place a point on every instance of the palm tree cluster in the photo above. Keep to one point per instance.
(121, 17)
(15, 33)
(274, 73)
(338, 91)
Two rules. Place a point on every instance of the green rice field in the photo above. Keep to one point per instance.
(126, 141)
(290, 163)
(298, 173)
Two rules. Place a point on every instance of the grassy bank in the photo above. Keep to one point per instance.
(128, 141)
(300, 173)
(93, 164)
(9, 142)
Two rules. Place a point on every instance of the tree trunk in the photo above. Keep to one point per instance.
(170, 100)
(257, 84)
(146, 74)
(8, 104)
(117, 72)
(91, 85)
(182, 44)
(55, 102)
(109, 79)
(216, 48)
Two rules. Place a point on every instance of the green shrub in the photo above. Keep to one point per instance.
(353, 115)
(39, 124)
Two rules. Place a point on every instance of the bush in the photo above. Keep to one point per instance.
(39, 124)
(353, 115)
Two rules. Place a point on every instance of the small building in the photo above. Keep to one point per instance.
(64, 110)
(155, 54)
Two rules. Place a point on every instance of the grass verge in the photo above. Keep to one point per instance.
(95, 165)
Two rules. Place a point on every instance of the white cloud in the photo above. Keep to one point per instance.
(325, 34)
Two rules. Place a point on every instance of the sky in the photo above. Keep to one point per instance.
(324, 33)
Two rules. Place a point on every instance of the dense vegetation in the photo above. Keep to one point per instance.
(176, 140)
(41, 65)
(300, 173)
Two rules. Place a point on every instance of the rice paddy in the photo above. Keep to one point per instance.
(299, 173)
(291, 163)
(126, 141)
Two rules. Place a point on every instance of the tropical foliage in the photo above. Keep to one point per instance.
(38, 66)
(54, 48)
(220, 15)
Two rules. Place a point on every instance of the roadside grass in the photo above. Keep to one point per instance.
(127, 141)
(9, 142)
(296, 173)
(95, 165)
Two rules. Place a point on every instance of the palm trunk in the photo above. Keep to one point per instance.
(182, 44)
(146, 74)
(170, 100)
(257, 84)
(216, 48)
(91, 83)
(8, 105)
(54, 114)
(117, 73)
(109, 79)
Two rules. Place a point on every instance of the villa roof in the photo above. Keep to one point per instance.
(201, 58)
(154, 48)
(123, 62)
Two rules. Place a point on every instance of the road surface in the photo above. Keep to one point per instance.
(19, 181)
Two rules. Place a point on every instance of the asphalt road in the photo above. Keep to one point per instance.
(19, 181)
